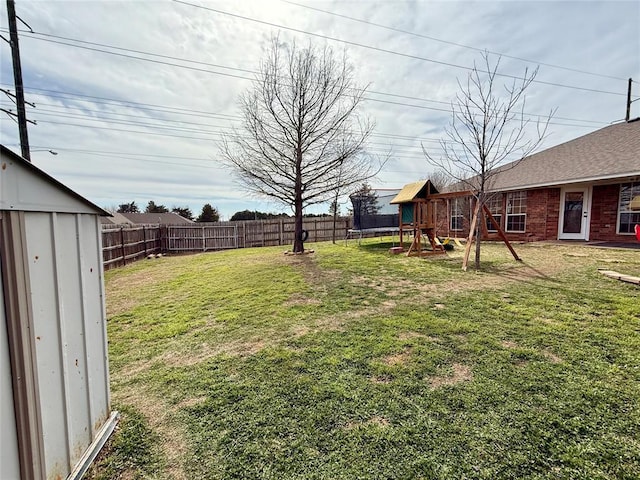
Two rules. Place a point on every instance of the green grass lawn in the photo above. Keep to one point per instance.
(351, 363)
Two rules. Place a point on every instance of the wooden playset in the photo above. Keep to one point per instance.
(417, 217)
(417, 213)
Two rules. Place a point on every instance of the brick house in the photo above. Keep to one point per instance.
(585, 189)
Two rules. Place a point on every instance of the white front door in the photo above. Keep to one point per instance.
(575, 204)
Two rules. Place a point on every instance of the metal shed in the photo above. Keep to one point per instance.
(54, 385)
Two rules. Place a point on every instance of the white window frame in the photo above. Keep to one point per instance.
(620, 210)
(511, 215)
(496, 215)
(458, 208)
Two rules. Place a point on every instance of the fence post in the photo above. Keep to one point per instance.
(204, 241)
(244, 234)
(280, 232)
(124, 256)
(144, 240)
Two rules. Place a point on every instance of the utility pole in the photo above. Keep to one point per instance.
(17, 77)
(628, 101)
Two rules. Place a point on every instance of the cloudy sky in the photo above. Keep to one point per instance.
(134, 96)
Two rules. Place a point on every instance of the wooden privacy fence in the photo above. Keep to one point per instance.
(122, 245)
(125, 244)
(203, 237)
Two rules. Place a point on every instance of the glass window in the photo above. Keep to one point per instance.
(629, 207)
(457, 216)
(494, 204)
(517, 211)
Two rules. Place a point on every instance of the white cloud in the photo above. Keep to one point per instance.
(598, 37)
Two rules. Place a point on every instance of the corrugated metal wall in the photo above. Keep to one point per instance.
(65, 262)
(10, 464)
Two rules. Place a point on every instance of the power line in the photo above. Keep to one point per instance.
(140, 58)
(105, 152)
(128, 103)
(124, 130)
(123, 122)
(198, 131)
(103, 116)
(383, 50)
(66, 109)
(159, 55)
(477, 49)
(139, 105)
(378, 134)
(129, 155)
(202, 132)
(34, 36)
(449, 111)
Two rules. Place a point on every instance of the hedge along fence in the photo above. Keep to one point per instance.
(125, 244)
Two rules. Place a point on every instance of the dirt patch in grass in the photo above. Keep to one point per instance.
(377, 421)
(163, 420)
(380, 379)
(239, 348)
(310, 269)
(398, 358)
(498, 278)
(191, 402)
(410, 335)
(128, 287)
(301, 300)
(132, 370)
(333, 323)
(389, 304)
(547, 321)
(298, 331)
(461, 373)
(552, 357)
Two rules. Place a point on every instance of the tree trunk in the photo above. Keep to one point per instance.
(478, 234)
(478, 228)
(335, 218)
(298, 244)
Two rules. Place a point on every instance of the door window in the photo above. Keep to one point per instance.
(573, 205)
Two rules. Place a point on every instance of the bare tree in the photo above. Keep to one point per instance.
(301, 131)
(440, 179)
(488, 128)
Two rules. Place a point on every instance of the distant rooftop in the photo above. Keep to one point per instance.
(169, 218)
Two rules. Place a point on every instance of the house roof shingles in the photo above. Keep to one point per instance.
(611, 152)
(169, 218)
(116, 218)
